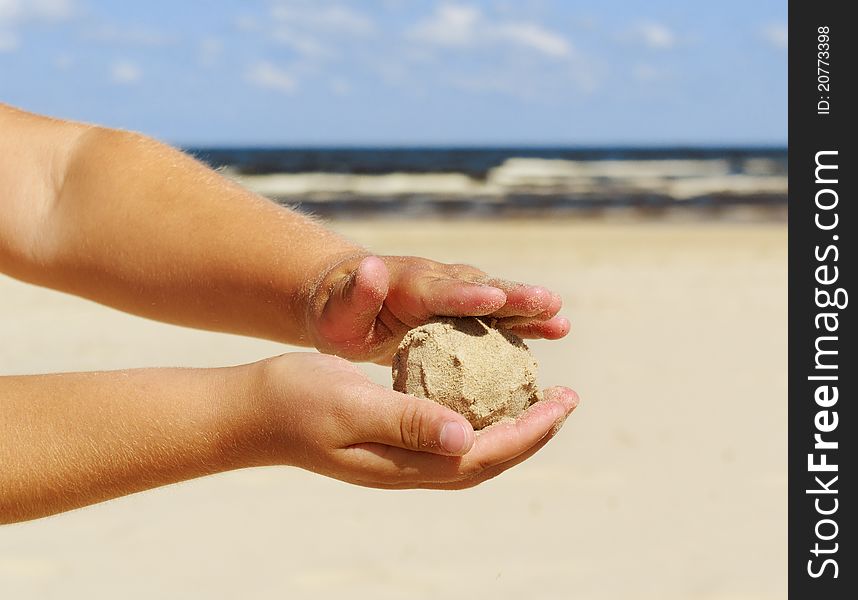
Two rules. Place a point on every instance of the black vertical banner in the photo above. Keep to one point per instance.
(823, 368)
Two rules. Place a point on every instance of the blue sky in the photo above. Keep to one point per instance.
(400, 72)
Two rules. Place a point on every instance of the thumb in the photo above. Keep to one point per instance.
(355, 301)
(423, 425)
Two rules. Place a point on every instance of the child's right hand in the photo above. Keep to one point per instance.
(361, 306)
(321, 413)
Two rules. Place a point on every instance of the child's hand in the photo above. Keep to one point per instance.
(363, 305)
(322, 414)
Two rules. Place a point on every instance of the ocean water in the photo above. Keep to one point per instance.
(509, 181)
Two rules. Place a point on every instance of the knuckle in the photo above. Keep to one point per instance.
(341, 417)
(467, 271)
(411, 425)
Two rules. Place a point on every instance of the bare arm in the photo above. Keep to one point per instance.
(74, 439)
(129, 222)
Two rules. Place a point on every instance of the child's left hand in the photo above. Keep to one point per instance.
(362, 306)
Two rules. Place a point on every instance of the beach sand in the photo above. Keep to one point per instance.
(668, 482)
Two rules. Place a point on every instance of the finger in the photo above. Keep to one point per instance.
(355, 301)
(428, 296)
(568, 397)
(504, 441)
(436, 473)
(553, 308)
(524, 300)
(564, 396)
(493, 472)
(552, 329)
(450, 483)
(412, 423)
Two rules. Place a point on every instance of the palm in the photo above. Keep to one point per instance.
(338, 423)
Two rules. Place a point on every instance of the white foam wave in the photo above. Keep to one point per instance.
(678, 179)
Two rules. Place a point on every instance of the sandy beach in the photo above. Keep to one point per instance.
(669, 481)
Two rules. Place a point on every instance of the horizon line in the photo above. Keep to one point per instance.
(481, 146)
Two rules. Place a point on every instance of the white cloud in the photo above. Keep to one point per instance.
(776, 35)
(9, 9)
(535, 37)
(311, 17)
(124, 72)
(460, 25)
(523, 59)
(51, 10)
(8, 41)
(269, 76)
(451, 25)
(654, 35)
(17, 11)
(316, 32)
(14, 13)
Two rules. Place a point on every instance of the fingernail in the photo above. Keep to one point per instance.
(453, 437)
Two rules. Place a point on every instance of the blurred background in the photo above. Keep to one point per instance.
(629, 155)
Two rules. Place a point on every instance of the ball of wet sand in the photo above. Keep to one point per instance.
(483, 373)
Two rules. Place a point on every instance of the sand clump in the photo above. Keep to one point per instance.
(483, 373)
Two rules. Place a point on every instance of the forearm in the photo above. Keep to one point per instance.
(139, 226)
(131, 223)
(74, 439)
